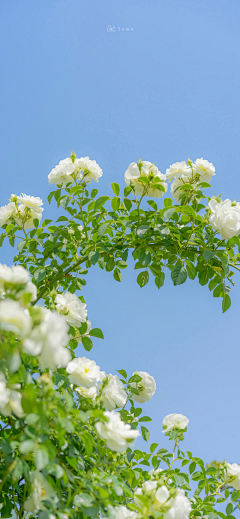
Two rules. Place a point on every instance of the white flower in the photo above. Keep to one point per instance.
(118, 435)
(30, 288)
(80, 227)
(180, 507)
(16, 275)
(178, 170)
(148, 487)
(90, 169)
(146, 387)
(148, 170)
(88, 392)
(225, 218)
(113, 393)
(175, 421)
(233, 471)
(154, 472)
(10, 400)
(49, 340)
(162, 494)
(62, 173)
(72, 308)
(83, 372)
(177, 184)
(204, 169)
(41, 491)
(6, 211)
(121, 512)
(13, 318)
(28, 210)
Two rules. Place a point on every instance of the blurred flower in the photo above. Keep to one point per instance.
(6, 211)
(146, 387)
(120, 512)
(180, 507)
(72, 308)
(225, 218)
(118, 435)
(113, 393)
(14, 318)
(175, 421)
(88, 392)
(233, 471)
(41, 490)
(10, 400)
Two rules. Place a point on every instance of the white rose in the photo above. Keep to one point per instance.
(204, 169)
(118, 435)
(113, 393)
(62, 173)
(16, 275)
(6, 211)
(121, 512)
(13, 318)
(225, 218)
(154, 472)
(83, 372)
(233, 471)
(180, 507)
(146, 387)
(162, 495)
(49, 340)
(72, 308)
(90, 169)
(41, 491)
(175, 421)
(176, 185)
(30, 288)
(178, 170)
(88, 392)
(10, 400)
(132, 175)
(28, 210)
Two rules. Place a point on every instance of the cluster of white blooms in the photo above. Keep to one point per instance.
(113, 393)
(225, 217)
(146, 387)
(49, 339)
(117, 434)
(182, 173)
(10, 399)
(147, 170)
(41, 491)
(178, 507)
(72, 308)
(16, 279)
(175, 421)
(29, 209)
(120, 512)
(233, 472)
(69, 170)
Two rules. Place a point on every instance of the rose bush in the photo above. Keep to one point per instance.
(68, 430)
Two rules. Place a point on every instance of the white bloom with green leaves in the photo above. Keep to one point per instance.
(233, 472)
(225, 218)
(88, 392)
(175, 421)
(113, 393)
(204, 169)
(149, 171)
(41, 491)
(72, 308)
(90, 170)
(178, 170)
(62, 174)
(15, 275)
(14, 318)
(180, 507)
(29, 209)
(6, 212)
(146, 387)
(117, 434)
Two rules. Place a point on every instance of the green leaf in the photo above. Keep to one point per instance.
(12, 240)
(110, 264)
(96, 332)
(115, 203)
(41, 458)
(226, 302)
(127, 203)
(21, 245)
(179, 275)
(87, 343)
(27, 446)
(179, 480)
(167, 202)
(145, 433)
(117, 274)
(229, 508)
(94, 193)
(122, 372)
(135, 378)
(103, 228)
(93, 257)
(101, 201)
(50, 196)
(35, 222)
(218, 290)
(62, 219)
(159, 280)
(142, 230)
(153, 447)
(116, 188)
(64, 201)
(127, 190)
(2, 237)
(208, 255)
(143, 278)
(145, 419)
(152, 204)
(169, 213)
(39, 275)
(144, 257)
(191, 270)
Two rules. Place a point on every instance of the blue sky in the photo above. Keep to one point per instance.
(166, 91)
